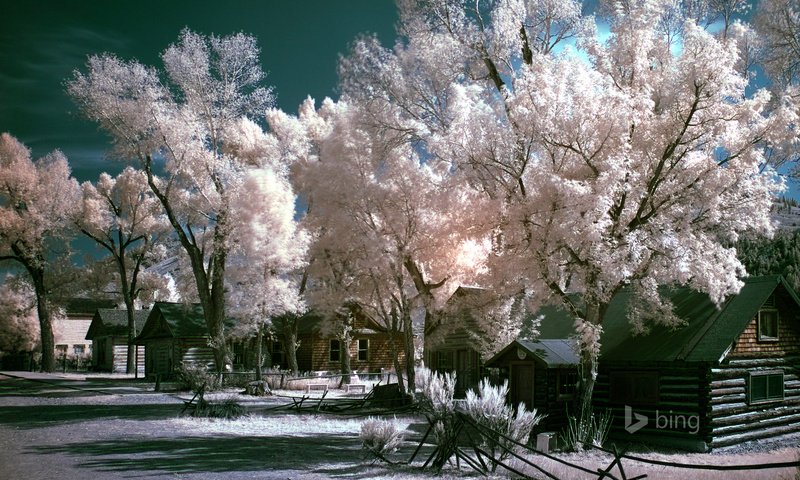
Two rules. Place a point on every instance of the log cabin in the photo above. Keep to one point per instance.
(727, 374)
(108, 333)
(174, 334)
(370, 346)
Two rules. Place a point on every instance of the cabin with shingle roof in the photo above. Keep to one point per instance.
(726, 374)
(108, 333)
(174, 334)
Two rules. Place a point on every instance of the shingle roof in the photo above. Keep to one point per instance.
(552, 352)
(705, 336)
(114, 321)
(86, 306)
(174, 320)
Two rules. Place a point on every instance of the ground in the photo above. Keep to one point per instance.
(76, 426)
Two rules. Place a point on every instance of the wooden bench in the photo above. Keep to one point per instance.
(317, 386)
(353, 387)
(196, 400)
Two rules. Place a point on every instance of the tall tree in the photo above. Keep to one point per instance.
(123, 217)
(400, 217)
(38, 202)
(778, 21)
(184, 115)
(637, 167)
(271, 249)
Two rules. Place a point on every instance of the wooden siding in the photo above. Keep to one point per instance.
(733, 419)
(682, 394)
(120, 364)
(788, 343)
(110, 354)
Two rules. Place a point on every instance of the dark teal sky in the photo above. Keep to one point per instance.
(42, 42)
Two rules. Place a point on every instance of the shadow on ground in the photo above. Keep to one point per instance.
(216, 454)
(48, 415)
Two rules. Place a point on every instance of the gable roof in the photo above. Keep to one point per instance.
(114, 322)
(553, 353)
(706, 335)
(86, 306)
(174, 320)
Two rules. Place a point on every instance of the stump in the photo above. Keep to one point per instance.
(258, 388)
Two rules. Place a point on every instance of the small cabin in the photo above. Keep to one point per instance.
(541, 374)
(174, 333)
(727, 374)
(370, 346)
(108, 333)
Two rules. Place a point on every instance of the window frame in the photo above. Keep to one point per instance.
(766, 374)
(561, 379)
(337, 350)
(364, 350)
(762, 337)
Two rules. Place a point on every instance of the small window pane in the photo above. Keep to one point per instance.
(765, 387)
(768, 325)
(335, 351)
(363, 349)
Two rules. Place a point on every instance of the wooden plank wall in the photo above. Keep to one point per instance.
(733, 419)
(121, 358)
(683, 393)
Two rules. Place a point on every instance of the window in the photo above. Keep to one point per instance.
(444, 361)
(765, 387)
(363, 349)
(61, 350)
(335, 351)
(78, 349)
(634, 388)
(567, 384)
(767, 325)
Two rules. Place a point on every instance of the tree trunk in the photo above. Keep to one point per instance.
(408, 344)
(589, 352)
(45, 319)
(344, 350)
(290, 342)
(259, 352)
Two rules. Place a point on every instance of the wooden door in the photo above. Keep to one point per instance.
(521, 384)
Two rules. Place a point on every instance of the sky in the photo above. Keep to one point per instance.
(42, 42)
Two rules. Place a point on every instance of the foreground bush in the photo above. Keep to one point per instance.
(488, 408)
(436, 402)
(192, 376)
(227, 409)
(380, 437)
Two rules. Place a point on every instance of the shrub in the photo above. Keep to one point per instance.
(488, 408)
(436, 402)
(192, 376)
(380, 437)
(227, 409)
(594, 432)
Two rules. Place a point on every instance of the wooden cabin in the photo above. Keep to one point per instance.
(541, 374)
(370, 346)
(174, 333)
(727, 375)
(108, 333)
(450, 343)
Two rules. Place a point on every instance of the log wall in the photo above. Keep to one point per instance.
(733, 419)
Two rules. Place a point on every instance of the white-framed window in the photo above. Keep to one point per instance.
(335, 351)
(78, 349)
(768, 325)
(765, 386)
(363, 349)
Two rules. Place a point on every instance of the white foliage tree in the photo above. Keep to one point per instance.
(19, 325)
(122, 215)
(38, 203)
(272, 250)
(639, 166)
(187, 116)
